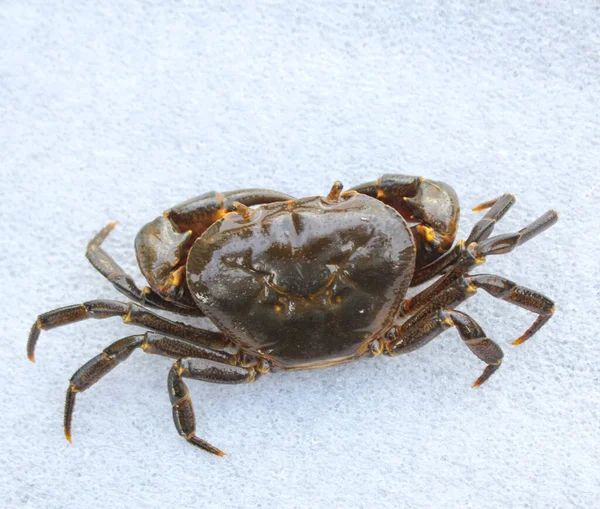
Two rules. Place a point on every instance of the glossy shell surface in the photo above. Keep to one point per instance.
(305, 283)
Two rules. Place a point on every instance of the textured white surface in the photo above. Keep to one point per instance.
(117, 110)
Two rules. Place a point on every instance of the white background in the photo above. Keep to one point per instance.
(118, 110)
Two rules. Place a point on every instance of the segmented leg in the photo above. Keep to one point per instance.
(426, 326)
(150, 342)
(131, 313)
(481, 231)
(206, 370)
(124, 283)
(434, 205)
(432, 317)
(509, 291)
(475, 253)
(497, 210)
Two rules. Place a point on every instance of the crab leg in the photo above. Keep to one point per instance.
(424, 327)
(150, 342)
(481, 231)
(475, 253)
(207, 370)
(436, 315)
(504, 289)
(131, 313)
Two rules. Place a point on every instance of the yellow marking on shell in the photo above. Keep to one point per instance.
(376, 347)
(471, 288)
(448, 321)
(426, 232)
(479, 260)
(277, 308)
(338, 298)
(176, 277)
(127, 318)
(251, 375)
(262, 366)
(380, 191)
(146, 290)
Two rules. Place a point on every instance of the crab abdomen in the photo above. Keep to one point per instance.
(304, 283)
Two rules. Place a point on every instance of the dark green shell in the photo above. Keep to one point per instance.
(304, 283)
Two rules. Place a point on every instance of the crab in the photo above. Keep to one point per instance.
(295, 284)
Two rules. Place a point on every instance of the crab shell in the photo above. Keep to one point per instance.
(304, 283)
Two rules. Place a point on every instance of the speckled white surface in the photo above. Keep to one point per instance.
(117, 110)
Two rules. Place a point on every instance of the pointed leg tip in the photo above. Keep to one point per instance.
(205, 446)
(32, 340)
(487, 373)
(68, 414)
(485, 205)
(519, 341)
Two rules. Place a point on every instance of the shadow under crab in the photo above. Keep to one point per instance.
(300, 284)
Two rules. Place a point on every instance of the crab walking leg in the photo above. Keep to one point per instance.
(417, 332)
(123, 282)
(481, 231)
(475, 253)
(497, 210)
(150, 342)
(439, 266)
(465, 287)
(131, 313)
(206, 370)
(521, 296)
